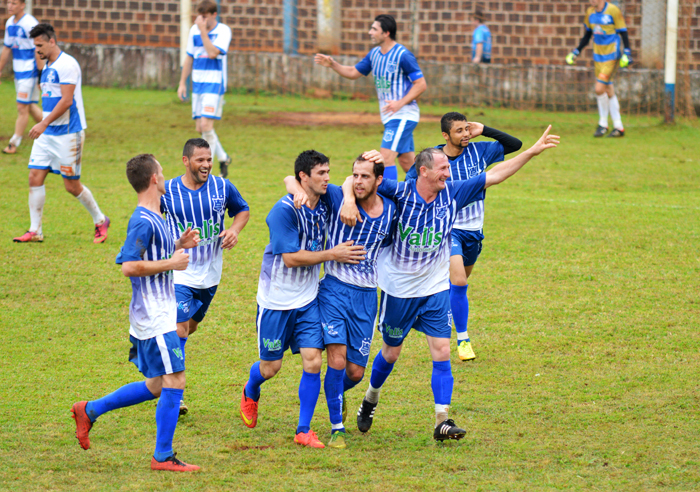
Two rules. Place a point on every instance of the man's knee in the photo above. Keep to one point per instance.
(23, 109)
(175, 380)
(73, 186)
(311, 360)
(337, 356)
(391, 354)
(269, 368)
(354, 372)
(206, 125)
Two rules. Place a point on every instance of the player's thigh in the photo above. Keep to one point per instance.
(209, 109)
(27, 92)
(308, 331)
(157, 356)
(187, 305)
(275, 329)
(398, 136)
(45, 156)
(70, 151)
(205, 297)
(360, 325)
(435, 316)
(605, 73)
(333, 308)
(396, 317)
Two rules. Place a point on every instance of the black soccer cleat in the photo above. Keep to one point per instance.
(448, 430)
(365, 415)
(223, 166)
(616, 133)
(600, 131)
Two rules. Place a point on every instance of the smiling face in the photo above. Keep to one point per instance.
(199, 165)
(439, 174)
(459, 134)
(364, 182)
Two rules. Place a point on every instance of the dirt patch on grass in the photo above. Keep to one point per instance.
(336, 119)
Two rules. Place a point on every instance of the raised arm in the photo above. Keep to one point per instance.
(347, 71)
(294, 188)
(510, 144)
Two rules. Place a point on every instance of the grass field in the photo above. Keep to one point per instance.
(584, 318)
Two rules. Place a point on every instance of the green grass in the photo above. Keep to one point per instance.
(584, 318)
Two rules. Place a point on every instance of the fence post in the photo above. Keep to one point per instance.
(670, 65)
(329, 27)
(291, 35)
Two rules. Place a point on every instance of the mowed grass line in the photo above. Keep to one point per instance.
(584, 317)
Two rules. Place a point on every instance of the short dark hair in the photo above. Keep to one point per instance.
(308, 160)
(45, 30)
(377, 168)
(479, 15)
(426, 158)
(139, 170)
(207, 7)
(449, 118)
(194, 143)
(388, 24)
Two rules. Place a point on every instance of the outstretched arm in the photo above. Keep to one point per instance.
(347, 71)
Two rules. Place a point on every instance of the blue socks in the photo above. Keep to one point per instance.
(183, 341)
(460, 310)
(442, 382)
(167, 413)
(390, 172)
(333, 387)
(255, 380)
(126, 396)
(380, 371)
(309, 389)
(349, 383)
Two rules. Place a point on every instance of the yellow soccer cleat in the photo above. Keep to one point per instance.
(337, 440)
(465, 351)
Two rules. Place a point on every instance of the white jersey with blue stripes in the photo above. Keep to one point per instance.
(209, 74)
(394, 73)
(418, 261)
(22, 46)
(291, 230)
(153, 309)
(372, 233)
(63, 71)
(203, 209)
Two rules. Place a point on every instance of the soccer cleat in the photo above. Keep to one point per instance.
(183, 408)
(600, 131)
(448, 430)
(337, 440)
(345, 409)
(616, 133)
(223, 166)
(309, 440)
(249, 411)
(83, 424)
(101, 231)
(29, 237)
(10, 149)
(465, 351)
(365, 415)
(172, 464)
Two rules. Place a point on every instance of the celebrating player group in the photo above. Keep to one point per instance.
(417, 241)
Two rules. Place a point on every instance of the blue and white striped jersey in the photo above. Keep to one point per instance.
(473, 160)
(64, 71)
(209, 74)
(22, 46)
(417, 263)
(372, 233)
(153, 309)
(203, 209)
(291, 230)
(394, 74)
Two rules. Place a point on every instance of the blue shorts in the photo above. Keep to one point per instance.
(466, 244)
(294, 329)
(430, 315)
(158, 355)
(348, 314)
(398, 136)
(193, 303)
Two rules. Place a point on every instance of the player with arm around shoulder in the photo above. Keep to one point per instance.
(288, 315)
(148, 257)
(199, 201)
(414, 271)
(399, 82)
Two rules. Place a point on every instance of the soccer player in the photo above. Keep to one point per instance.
(347, 296)
(26, 68)
(60, 135)
(605, 23)
(148, 257)
(481, 40)
(413, 274)
(288, 315)
(399, 82)
(207, 46)
(200, 201)
(468, 159)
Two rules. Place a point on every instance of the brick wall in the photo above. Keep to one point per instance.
(524, 32)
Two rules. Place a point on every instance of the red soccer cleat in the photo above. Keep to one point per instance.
(309, 440)
(172, 464)
(101, 231)
(29, 237)
(83, 424)
(249, 411)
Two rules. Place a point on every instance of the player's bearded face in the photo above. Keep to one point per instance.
(199, 165)
(459, 134)
(364, 182)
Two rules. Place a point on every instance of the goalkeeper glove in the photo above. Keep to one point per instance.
(571, 57)
(626, 58)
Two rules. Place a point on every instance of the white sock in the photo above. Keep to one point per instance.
(216, 149)
(441, 413)
(16, 140)
(372, 394)
(615, 113)
(37, 198)
(91, 205)
(603, 109)
(221, 154)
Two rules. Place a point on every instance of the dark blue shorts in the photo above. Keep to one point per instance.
(291, 329)
(466, 244)
(398, 136)
(348, 314)
(158, 355)
(193, 303)
(430, 315)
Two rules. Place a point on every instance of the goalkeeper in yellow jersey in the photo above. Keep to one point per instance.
(605, 23)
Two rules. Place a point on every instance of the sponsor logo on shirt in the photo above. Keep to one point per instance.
(382, 84)
(207, 233)
(425, 240)
(272, 345)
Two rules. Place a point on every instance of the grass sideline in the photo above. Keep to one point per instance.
(584, 318)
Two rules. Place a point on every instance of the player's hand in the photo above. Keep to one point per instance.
(37, 130)
(323, 60)
(571, 57)
(182, 92)
(392, 107)
(230, 239)
(349, 214)
(300, 199)
(626, 59)
(373, 156)
(189, 239)
(475, 129)
(347, 253)
(545, 142)
(180, 260)
(201, 24)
